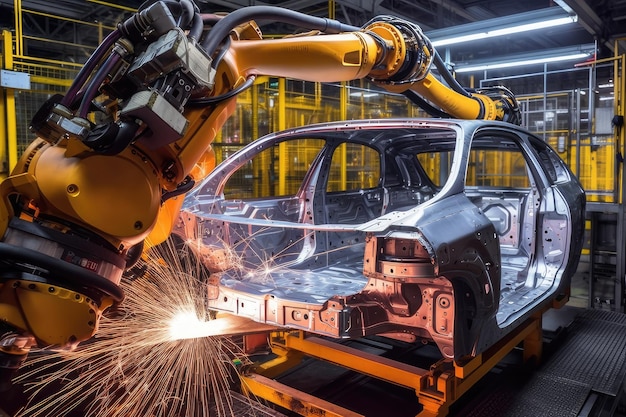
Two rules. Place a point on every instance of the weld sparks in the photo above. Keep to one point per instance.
(187, 325)
(150, 357)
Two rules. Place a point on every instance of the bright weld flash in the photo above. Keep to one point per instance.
(187, 325)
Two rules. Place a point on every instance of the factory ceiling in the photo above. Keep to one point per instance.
(599, 21)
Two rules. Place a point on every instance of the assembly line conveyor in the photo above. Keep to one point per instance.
(575, 367)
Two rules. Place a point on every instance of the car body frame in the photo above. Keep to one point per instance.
(449, 231)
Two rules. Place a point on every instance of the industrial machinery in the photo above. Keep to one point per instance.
(133, 133)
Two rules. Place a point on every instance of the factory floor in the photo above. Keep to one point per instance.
(510, 389)
(579, 298)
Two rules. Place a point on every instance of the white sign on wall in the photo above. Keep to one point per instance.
(14, 79)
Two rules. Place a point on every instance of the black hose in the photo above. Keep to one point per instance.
(134, 254)
(424, 105)
(89, 66)
(448, 77)
(195, 31)
(212, 100)
(279, 14)
(94, 85)
(112, 138)
(182, 188)
(74, 275)
(187, 13)
(222, 52)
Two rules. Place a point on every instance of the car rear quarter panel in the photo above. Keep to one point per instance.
(467, 253)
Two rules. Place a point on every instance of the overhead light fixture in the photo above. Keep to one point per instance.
(550, 56)
(474, 68)
(364, 94)
(506, 31)
(507, 25)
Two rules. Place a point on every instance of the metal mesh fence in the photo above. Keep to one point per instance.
(46, 80)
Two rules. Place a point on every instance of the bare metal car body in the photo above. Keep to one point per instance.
(459, 231)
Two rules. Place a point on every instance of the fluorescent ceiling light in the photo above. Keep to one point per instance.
(570, 53)
(507, 25)
(505, 31)
(364, 94)
(509, 64)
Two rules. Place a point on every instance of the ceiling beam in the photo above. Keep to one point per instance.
(459, 11)
(589, 19)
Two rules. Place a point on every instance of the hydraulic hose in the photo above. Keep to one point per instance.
(221, 53)
(195, 31)
(447, 76)
(94, 85)
(243, 15)
(424, 105)
(232, 93)
(187, 13)
(89, 66)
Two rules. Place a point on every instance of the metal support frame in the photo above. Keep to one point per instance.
(8, 135)
(620, 96)
(437, 388)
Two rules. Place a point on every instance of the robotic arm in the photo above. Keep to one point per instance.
(114, 156)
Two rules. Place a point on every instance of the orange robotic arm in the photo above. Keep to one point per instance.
(391, 52)
(76, 210)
